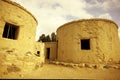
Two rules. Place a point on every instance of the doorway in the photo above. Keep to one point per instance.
(48, 53)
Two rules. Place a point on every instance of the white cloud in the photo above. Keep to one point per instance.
(110, 4)
(53, 13)
(104, 4)
(106, 16)
(94, 4)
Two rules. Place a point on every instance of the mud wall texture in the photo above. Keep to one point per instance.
(89, 41)
(39, 51)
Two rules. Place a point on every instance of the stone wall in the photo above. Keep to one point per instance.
(103, 36)
(40, 51)
(12, 62)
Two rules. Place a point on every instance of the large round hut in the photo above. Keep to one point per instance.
(88, 41)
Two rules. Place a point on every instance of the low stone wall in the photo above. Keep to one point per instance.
(87, 65)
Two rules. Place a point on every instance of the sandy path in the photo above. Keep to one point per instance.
(50, 71)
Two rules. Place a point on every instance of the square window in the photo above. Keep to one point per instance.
(10, 31)
(85, 44)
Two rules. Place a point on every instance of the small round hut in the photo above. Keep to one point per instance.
(17, 39)
(88, 41)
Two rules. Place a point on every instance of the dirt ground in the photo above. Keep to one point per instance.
(52, 71)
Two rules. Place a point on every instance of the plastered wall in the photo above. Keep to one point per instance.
(53, 50)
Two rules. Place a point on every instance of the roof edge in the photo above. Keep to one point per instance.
(96, 19)
(18, 5)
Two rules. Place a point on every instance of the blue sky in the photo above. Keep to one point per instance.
(53, 13)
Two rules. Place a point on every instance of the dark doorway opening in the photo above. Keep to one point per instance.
(48, 53)
(85, 44)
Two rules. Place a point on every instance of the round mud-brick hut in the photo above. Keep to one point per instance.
(17, 28)
(18, 49)
(88, 41)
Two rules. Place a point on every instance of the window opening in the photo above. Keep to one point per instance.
(38, 53)
(85, 44)
(10, 31)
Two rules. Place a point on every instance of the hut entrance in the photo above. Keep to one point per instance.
(48, 53)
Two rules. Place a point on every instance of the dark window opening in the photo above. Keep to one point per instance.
(10, 31)
(48, 53)
(85, 44)
(38, 53)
